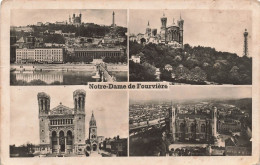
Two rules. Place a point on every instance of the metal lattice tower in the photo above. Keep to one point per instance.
(245, 53)
(113, 19)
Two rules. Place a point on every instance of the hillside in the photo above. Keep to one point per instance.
(88, 30)
(195, 64)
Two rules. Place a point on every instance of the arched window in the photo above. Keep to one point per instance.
(75, 103)
(46, 110)
(83, 102)
(79, 102)
(41, 104)
(182, 127)
(54, 138)
(69, 138)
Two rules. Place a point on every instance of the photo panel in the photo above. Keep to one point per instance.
(73, 122)
(184, 46)
(191, 121)
(72, 47)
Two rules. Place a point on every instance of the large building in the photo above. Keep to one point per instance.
(39, 55)
(75, 20)
(192, 127)
(26, 29)
(171, 35)
(62, 129)
(97, 53)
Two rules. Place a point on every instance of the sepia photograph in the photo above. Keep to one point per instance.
(191, 121)
(139, 82)
(69, 123)
(200, 47)
(72, 47)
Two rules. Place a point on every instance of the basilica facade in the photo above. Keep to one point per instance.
(192, 127)
(62, 129)
(75, 20)
(171, 35)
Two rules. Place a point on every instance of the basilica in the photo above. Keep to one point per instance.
(62, 129)
(192, 127)
(171, 35)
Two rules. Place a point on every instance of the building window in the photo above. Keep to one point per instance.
(203, 128)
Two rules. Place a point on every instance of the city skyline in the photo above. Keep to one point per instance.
(184, 93)
(19, 17)
(108, 114)
(220, 29)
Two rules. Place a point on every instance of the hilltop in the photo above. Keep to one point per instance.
(194, 65)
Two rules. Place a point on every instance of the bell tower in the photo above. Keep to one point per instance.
(148, 30)
(79, 101)
(92, 128)
(163, 28)
(44, 109)
(214, 122)
(79, 118)
(93, 133)
(173, 126)
(180, 24)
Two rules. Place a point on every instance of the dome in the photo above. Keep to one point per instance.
(173, 24)
(43, 94)
(79, 92)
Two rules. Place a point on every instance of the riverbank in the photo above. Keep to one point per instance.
(65, 67)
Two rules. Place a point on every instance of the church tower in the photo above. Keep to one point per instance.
(214, 122)
(80, 16)
(163, 28)
(93, 133)
(44, 109)
(69, 19)
(180, 24)
(173, 122)
(73, 18)
(148, 30)
(79, 118)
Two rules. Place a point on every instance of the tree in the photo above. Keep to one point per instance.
(139, 72)
(213, 65)
(54, 38)
(165, 75)
(134, 48)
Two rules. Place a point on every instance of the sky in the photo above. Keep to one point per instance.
(111, 116)
(185, 93)
(221, 29)
(23, 17)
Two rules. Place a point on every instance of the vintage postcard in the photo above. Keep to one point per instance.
(130, 82)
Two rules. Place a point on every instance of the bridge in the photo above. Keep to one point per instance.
(104, 74)
(146, 125)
